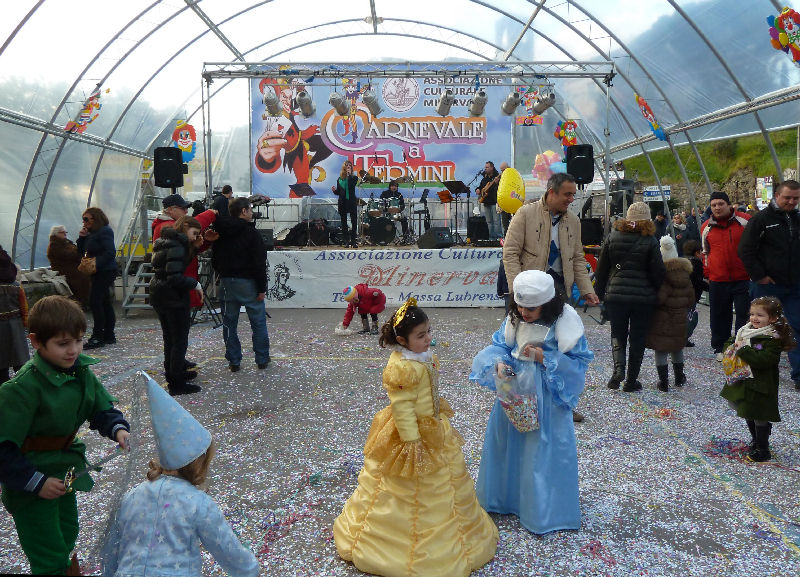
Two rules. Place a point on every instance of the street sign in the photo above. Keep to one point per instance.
(653, 193)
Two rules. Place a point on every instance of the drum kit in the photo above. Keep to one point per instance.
(379, 219)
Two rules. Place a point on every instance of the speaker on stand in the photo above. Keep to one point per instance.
(580, 163)
(168, 167)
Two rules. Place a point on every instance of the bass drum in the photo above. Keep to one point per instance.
(381, 230)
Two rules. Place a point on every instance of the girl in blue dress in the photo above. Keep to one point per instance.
(534, 474)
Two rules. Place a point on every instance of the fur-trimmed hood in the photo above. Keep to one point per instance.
(677, 265)
(643, 227)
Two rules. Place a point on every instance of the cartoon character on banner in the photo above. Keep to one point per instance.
(89, 112)
(566, 132)
(185, 138)
(546, 165)
(293, 135)
(785, 32)
(647, 112)
(352, 92)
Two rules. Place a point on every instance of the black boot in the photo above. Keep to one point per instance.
(618, 356)
(761, 452)
(183, 389)
(365, 325)
(680, 376)
(374, 330)
(634, 365)
(663, 377)
(751, 425)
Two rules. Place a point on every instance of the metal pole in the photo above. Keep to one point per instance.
(607, 163)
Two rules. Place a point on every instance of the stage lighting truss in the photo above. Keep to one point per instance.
(545, 99)
(445, 102)
(510, 104)
(478, 103)
(271, 103)
(306, 105)
(339, 104)
(370, 100)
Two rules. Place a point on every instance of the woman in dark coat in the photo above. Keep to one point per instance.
(670, 322)
(64, 259)
(629, 273)
(96, 239)
(345, 189)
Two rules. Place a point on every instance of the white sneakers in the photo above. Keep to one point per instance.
(719, 357)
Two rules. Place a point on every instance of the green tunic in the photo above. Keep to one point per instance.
(757, 397)
(43, 402)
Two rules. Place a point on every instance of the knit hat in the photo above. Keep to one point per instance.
(179, 437)
(533, 288)
(668, 249)
(349, 293)
(8, 270)
(719, 195)
(638, 211)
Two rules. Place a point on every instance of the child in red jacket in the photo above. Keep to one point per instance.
(367, 301)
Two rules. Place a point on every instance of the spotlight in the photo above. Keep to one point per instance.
(340, 105)
(608, 78)
(306, 105)
(370, 100)
(478, 103)
(271, 103)
(510, 103)
(543, 102)
(445, 102)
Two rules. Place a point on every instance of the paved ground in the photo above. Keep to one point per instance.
(663, 488)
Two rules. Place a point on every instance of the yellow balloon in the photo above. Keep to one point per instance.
(510, 191)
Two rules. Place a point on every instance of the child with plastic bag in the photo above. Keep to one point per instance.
(538, 357)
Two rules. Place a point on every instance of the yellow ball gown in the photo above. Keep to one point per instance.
(414, 511)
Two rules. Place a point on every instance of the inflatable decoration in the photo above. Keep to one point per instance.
(784, 32)
(510, 191)
(566, 132)
(650, 117)
(90, 111)
(185, 138)
(546, 164)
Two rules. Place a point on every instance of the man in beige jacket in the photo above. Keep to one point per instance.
(532, 245)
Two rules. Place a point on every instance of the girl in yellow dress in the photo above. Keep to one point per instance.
(414, 512)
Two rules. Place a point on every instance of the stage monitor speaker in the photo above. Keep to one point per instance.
(580, 162)
(436, 237)
(591, 231)
(168, 167)
(477, 229)
(266, 236)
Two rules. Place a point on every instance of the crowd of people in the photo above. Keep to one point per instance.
(415, 508)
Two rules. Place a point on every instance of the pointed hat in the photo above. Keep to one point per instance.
(179, 436)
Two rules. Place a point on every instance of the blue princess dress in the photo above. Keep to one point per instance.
(534, 475)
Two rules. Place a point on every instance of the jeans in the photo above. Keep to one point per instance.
(789, 295)
(103, 318)
(629, 320)
(175, 323)
(723, 297)
(489, 212)
(353, 212)
(238, 292)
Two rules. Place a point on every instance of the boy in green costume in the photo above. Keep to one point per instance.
(41, 410)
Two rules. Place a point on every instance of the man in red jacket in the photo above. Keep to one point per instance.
(729, 283)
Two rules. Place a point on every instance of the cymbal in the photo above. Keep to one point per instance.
(368, 178)
(406, 179)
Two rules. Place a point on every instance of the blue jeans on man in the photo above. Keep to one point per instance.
(789, 295)
(493, 223)
(723, 297)
(236, 293)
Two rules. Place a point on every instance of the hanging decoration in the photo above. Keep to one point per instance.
(784, 32)
(185, 138)
(566, 132)
(528, 96)
(647, 112)
(90, 111)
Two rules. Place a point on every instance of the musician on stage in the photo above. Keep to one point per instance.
(394, 192)
(345, 189)
(487, 196)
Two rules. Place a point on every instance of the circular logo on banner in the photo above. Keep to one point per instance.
(400, 94)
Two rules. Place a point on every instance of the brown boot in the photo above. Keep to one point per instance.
(74, 567)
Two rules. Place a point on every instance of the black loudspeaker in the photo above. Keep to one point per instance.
(168, 167)
(580, 162)
(266, 236)
(477, 229)
(436, 237)
(619, 189)
(591, 231)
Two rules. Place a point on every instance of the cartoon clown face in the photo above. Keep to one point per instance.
(184, 140)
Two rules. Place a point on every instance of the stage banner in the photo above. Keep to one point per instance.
(297, 156)
(435, 277)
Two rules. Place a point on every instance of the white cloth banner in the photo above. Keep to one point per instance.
(460, 277)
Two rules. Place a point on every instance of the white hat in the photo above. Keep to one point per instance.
(179, 437)
(533, 288)
(668, 249)
(638, 211)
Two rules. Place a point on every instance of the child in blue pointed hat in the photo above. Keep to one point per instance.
(164, 520)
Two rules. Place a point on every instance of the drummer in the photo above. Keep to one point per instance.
(394, 192)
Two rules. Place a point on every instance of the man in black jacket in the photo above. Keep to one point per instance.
(220, 203)
(240, 259)
(770, 251)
